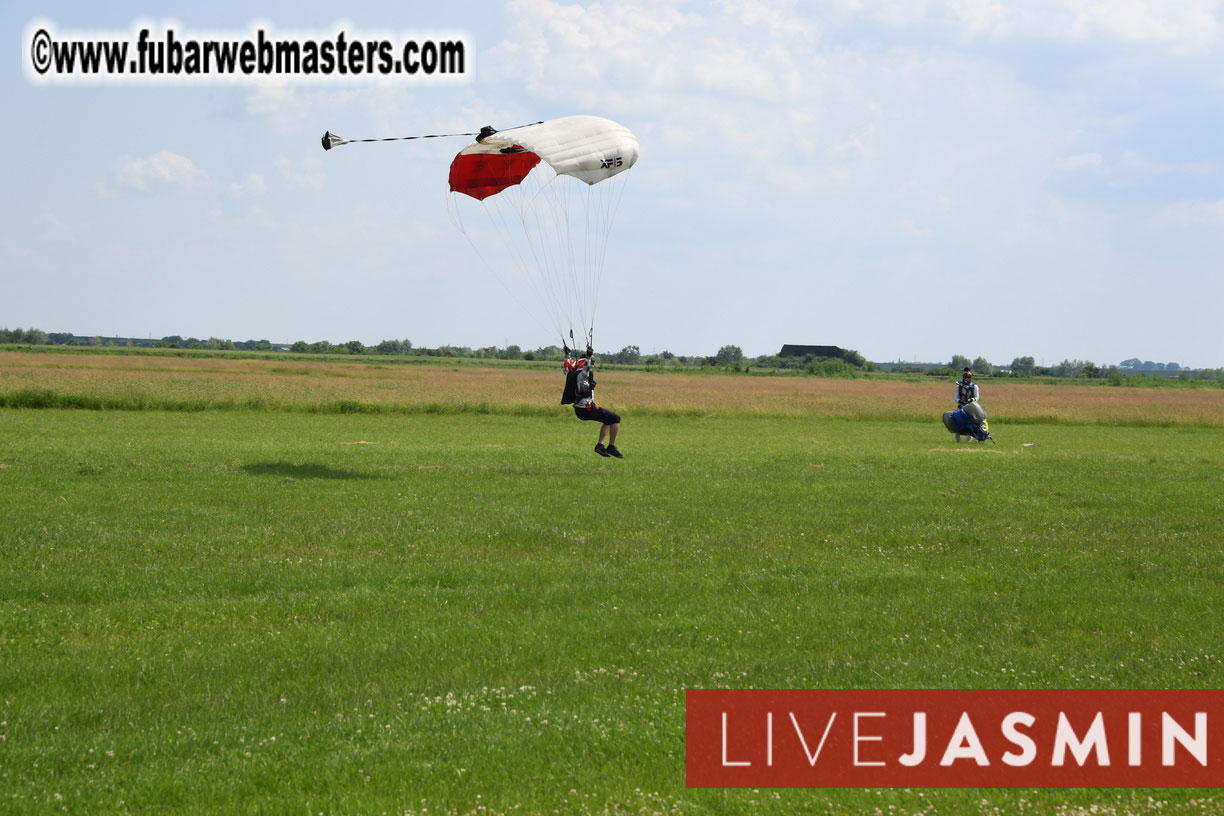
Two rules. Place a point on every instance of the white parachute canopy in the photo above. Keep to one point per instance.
(537, 202)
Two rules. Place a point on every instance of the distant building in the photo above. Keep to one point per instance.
(789, 350)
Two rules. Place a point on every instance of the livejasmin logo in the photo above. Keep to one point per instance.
(1028, 738)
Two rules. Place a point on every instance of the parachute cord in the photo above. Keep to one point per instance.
(403, 138)
(572, 263)
(548, 283)
(612, 202)
(547, 209)
(551, 212)
(588, 262)
(456, 218)
(543, 210)
(598, 227)
(331, 140)
(567, 277)
(523, 264)
(538, 250)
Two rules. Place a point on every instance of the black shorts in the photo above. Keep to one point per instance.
(597, 415)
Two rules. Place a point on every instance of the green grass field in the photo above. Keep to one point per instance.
(291, 612)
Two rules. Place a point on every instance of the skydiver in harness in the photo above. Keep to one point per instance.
(966, 392)
(580, 392)
(969, 418)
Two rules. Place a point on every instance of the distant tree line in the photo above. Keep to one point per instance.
(32, 337)
(38, 337)
(730, 357)
(1074, 369)
(1135, 364)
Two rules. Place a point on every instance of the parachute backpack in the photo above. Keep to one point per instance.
(969, 420)
(570, 393)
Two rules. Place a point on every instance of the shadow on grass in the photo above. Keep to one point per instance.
(288, 471)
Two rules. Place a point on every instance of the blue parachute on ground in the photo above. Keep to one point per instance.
(969, 420)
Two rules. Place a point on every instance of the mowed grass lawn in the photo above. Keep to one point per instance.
(290, 612)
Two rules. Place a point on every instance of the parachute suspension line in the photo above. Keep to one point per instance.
(587, 292)
(545, 214)
(456, 216)
(547, 282)
(568, 273)
(611, 200)
(331, 140)
(591, 258)
(519, 198)
(580, 257)
(538, 196)
(588, 338)
(539, 225)
(457, 220)
(545, 224)
(571, 273)
(525, 200)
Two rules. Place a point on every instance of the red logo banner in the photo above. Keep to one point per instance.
(942, 738)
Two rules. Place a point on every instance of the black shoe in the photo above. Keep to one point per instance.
(601, 450)
(612, 451)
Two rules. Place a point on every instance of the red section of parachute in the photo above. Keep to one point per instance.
(481, 175)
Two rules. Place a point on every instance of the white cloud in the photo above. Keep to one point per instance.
(269, 97)
(251, 185)
(290, 111)
(610, 55)
(306, 173)
(279, 103)
(1181, 26)
(1138, 163)
(1184, 214)
(1080, 161)
(170, 169)
(736, 100)
(912, 230)
(57, 231)
(162, 167)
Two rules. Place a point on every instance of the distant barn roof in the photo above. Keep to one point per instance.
(789, 350)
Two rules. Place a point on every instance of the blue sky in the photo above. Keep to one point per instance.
(910, 179)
